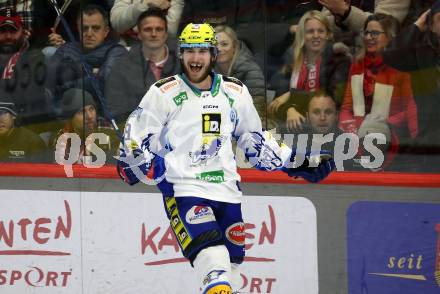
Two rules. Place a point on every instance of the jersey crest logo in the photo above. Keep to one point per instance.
(208, 150)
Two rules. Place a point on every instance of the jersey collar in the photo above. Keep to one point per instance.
(215, 86)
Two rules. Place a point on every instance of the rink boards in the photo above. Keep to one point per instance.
(104, 242)
(306, 239)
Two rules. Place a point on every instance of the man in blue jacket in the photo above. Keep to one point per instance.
(97, 50)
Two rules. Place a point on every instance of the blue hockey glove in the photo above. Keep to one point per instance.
(132, 168)
(316, 172)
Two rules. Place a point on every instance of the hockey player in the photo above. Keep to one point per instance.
(186, 123)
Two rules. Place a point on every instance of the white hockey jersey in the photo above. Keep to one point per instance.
(188, 133)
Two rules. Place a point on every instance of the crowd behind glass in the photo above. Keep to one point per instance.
(313, 69)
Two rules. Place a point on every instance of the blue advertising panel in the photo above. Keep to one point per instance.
(393, 248)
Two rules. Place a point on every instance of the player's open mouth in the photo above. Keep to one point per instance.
(195, 67)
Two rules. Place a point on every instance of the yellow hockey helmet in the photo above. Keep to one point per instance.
(197, 36)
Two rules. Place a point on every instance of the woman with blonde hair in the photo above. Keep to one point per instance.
(312, 63)
(234, 59)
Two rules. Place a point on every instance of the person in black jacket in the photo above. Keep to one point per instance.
(147, 62)
(22, 71)
(417, 50)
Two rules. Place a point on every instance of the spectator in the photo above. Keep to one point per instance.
(289, 11)
(282, 18)
(83, 120)
(322, 115)
(147, 62)
(48, 29)
(97, 51)
(322, 119)
(353, 14)
(18, 144)
(389, 147)
(245, 16)
(378, 89)
(125, 13)
(322, 131)
(23, 8)
(416, 50)
(416, 9)
(234, 59)
(313, 63)
(217, 12)
(23, 71)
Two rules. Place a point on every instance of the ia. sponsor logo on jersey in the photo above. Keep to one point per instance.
(199, 214)
(211, 123)
(216, 176)
(235, 233)
(180, 98)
